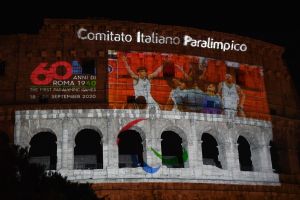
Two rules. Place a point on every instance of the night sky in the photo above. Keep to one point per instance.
(277, 23)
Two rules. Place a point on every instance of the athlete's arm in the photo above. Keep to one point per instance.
(155, 73)
(242, 96)
(131, 73)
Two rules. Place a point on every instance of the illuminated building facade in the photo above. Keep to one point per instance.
(112, 102)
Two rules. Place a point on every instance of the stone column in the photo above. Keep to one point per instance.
(67, 151)
(191, 145)
(105, 152)
(261, 158)
(267, 167)
(23, 134)
(232, 156)
(59, 155)
(222, 155)
(112, 154)
(17, 130)
(151, 158)
(153, 140)
(198, 159)
(194, 154)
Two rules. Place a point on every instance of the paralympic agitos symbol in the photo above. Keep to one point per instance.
(146, 167)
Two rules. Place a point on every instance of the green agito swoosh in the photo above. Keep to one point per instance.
(171, 161)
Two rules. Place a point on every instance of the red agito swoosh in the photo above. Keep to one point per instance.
(131, 124)
(128, 126)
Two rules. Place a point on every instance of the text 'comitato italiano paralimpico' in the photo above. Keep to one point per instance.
(155, 38)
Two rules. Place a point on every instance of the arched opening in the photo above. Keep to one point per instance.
(171, 148)
(88, 150)
(210, 150)
(244, 154)
(274, 156)
(130, 149)
(4, 139)
(43, 150)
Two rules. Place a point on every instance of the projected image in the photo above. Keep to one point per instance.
(183, 83)
(63, 80)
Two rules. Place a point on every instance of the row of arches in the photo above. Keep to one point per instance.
(88, 150)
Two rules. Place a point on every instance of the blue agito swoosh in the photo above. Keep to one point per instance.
(146, 167)
(150, 169)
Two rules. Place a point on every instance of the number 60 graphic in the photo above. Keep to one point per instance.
(42, 75)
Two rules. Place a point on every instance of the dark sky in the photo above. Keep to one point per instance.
(277, 23)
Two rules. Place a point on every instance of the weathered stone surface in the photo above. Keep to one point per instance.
(258, 133)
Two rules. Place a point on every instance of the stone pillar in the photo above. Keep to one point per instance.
(17, 139)
(194, 154)
(67, 151)
(191, 145)
(153, 140)
(198, 159)
(256, 156)
(222, 155)
(151, 158)
(232, 156)
(261, 158)
(268, 162)
(112, 154)
(22, 134)
(105, 152)
(59, 155)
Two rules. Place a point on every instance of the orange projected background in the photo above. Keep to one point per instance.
(196, 72)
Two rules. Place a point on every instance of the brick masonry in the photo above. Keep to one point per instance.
(200, 191)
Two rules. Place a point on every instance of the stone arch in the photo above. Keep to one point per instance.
(34, 126)
(210, 150)
(256, 138)
(249, 136)
(43, 149)
(179, 132)
(88, 148)
(75, 125)
(274, 154)
(142, 134)
(4, 138)
(245, 154)
(83, 127)
(183, 149)
(132, 153)
(39, 130)
(140, 131)
(267, 134)
(220, 138)
(127, 158)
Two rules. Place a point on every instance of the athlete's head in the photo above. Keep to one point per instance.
(228, 78)
(211, 89)
(142, 72)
